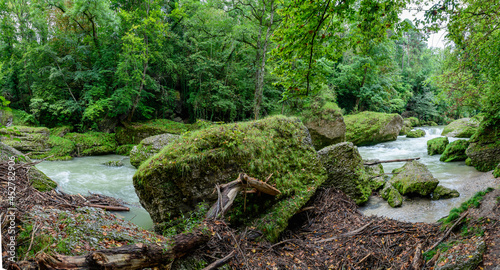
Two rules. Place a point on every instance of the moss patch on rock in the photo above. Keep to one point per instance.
(125, 149)
(186, 172)
(149, 147)
(346, 172)
(417, 133)
(136, 132)
(368, 128)
(412, 121)
(463, 254)
(391, 195)
(444, 193)
(414, 179)
(113, 163)
(455, 151)
(437, 146)
(496, 172)
(461, 128)
(60, 149)
(484, 148)
(92, 143)
(26, 139)
(60, 131)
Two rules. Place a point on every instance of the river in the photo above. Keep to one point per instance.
(88, 174)
(84, 174)
(454, 175)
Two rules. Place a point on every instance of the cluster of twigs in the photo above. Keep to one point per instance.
(23, 196)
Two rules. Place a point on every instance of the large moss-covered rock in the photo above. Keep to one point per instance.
(444, 193)
(92, 143)
(437, 145)
(346, 172)
(391, 195)
(26, 139)
(411, 122)
(134, 133)
(149, 147)
(375, 174)
(60, 149)
(461, 128)
(484, 150)
(37, 178)
(367, 128)
(186, 172)
(465, 254)
(325, 123)
(455, 151)
(417, 133)
(414, 179)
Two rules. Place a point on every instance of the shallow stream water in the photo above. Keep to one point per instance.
(454, 175)
(84, 174)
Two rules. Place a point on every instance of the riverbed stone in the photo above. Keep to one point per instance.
(484, 149)
(134, 133)
(414, 178)
(113, 163)
(325, 123)
(186, 172)
(375, 174)
(92, 143)
(367, 128)
(437, 145)
(344, 166)
(37, 178)
(461, 128)
(464, 254)
(391, 195)
(149, 147)
(455, 151)
(417, 133)
(442, 192)
(26, 139)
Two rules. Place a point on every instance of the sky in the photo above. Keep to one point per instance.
(435, 39)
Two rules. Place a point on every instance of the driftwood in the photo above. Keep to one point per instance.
(351, 233)
(227, 193)
(220, 262)
(389, 161)
(137, 256)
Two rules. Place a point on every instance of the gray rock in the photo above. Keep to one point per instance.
(444, 193)
(344, 166)
(461, 128)
(327, 132)
(391, 195)
(414, 179)
(367, 128)
(149, 147)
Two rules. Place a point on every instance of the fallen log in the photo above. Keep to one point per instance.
(137, 256)
(109, 207)
(389, 161)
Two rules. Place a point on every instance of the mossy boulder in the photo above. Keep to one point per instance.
(496, 172)
(186, 172)
(92, 143)
(134, 133)
(404, 130)
(414, 179)
(437, 146)
(465, 254)
(411, 122)
(375, 174)
(391, 195)
(461, 128)
(417, 133)
(325, 123)
(60, 149)
(444, 193)
(37, 178)
(149, 147)
(125, 149)
(368, 128)
(455, 151)
(484, 149)
(26, 139)
(113, 163)
(346, 172)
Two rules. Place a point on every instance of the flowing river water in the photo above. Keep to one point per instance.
(84, 174)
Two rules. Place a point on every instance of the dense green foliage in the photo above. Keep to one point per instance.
(91, 63)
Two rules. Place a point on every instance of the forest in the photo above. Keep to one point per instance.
(89, 63)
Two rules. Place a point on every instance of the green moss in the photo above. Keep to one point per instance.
(484, 148)
(391, 195)
(417, 133)
(461, 128)
(124, 150)
(61, 149)
(113, 163)
(444, 193)
(218, 154)
(437, 146)
(60, 131)
(365, 128)
(455, 151)
(136, 132)
(413, 121)
(92, 143)
(474, 201)
(149, 147)
(414, 178)
(496, 172)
